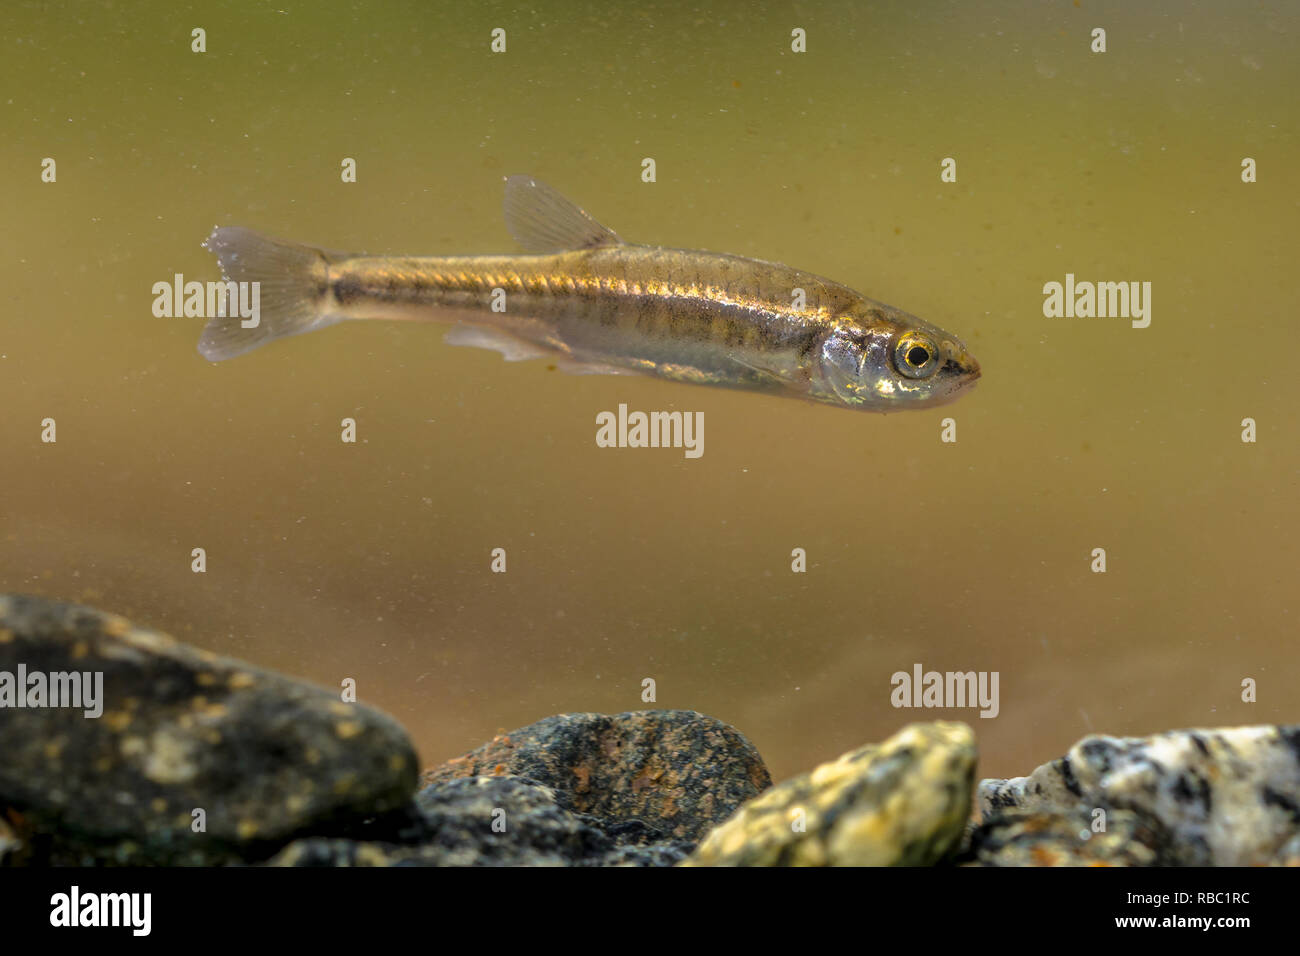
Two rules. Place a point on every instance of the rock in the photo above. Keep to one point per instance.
(902, 802)
(11, 847)
(489, 821)
(1049, 839)
(1289, 854)
(264, 757)
(1218, 797)
(322, 851)
(660, 774)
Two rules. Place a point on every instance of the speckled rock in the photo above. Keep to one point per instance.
(489, 821)
(1220, 797)
(1050, 839)
(667, 774)
(904, 802)
(262, 756)
(1289, 854)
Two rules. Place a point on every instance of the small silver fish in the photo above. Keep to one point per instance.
(592, 303)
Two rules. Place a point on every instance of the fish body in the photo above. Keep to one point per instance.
(592, 303)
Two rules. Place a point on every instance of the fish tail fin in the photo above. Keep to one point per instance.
(291, 293)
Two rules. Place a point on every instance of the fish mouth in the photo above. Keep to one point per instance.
(960, 364)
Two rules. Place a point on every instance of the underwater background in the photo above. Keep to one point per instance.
(371, 560)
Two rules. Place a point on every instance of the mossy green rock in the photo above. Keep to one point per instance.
(184, 735)
(903, 802)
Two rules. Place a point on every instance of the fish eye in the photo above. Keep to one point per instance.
(916, 356)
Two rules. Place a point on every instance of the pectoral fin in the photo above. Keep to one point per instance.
(515, 349)
(575, 366)
(486, 337)
(767, 374)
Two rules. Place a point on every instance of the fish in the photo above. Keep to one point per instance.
(591, 303)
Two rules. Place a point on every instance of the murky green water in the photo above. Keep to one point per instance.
(371, 561)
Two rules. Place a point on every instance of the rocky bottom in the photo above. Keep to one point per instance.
(195, 759)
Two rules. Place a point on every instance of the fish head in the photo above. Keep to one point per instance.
(881, 359)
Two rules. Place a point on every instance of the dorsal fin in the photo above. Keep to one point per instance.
(541, 220)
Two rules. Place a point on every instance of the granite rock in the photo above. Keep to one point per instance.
(262, 756)
(1226, 797)
(902, 802)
